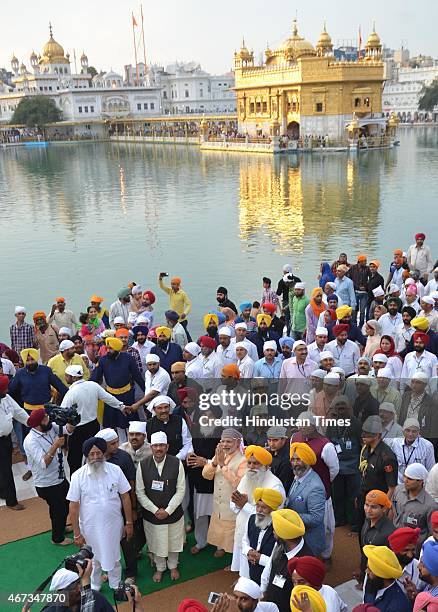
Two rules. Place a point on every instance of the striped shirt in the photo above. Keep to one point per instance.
(22, 337)
(420, 451)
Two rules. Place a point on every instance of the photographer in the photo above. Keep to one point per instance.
(42, 446)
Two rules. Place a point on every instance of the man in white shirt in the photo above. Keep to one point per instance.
(241, 331)
(46, 459)
(428, 311)
(432, 285)
(191, 354)
(98, 491)
(311, 572)
(137, 447)
(178, 436)
(419, 359)
(316, 348)
(411, 448)
(419, 256)
(179, 335)
(345, 352)
(226, 349)
(391, 320)
(209, 359)
(244, 361)
(142, 344)
(404, 331)
(9, 410)
(8, 367)
(156, 382)
(61, 317)
(85, 395)
(246, 597)
(121, 307)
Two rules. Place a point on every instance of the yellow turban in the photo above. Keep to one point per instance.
(115, 343)
(304, 452)
(264, 318)
(287, 524)
(316, 600)
(420, 323)
(162, 329)
(34, 353)
(343, 311)
(382, 562)
(211, 318)
(270, 497)
(262, 455)
(317, 291)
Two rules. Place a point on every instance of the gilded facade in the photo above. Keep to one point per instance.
(303, 90)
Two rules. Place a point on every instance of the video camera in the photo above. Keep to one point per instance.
(63, 416)
(86, 552)
(122, 589)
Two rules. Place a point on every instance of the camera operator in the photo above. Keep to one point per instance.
(79, 596)
(84, 394)
(42, 445)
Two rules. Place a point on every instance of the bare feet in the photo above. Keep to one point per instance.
(174, 574)
(157, 576)
(16, 507)
(219, 553)
(195, 550)
(65, 542)
(27, 475)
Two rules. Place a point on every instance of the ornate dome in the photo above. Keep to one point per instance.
(373, 39)
(53, 52)
(244, 54)
(324, 39)
(296, 46)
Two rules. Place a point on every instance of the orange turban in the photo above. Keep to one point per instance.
(317, 291)
(59, 299)
(361, 258)
(376, 262)
(122, 331)
(96, 299)
(176, 279)
(304, 452)
(378, 497)
(262, 455)
(231, 369)
(39, 314)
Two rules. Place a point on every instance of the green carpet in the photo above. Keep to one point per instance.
(26, 563)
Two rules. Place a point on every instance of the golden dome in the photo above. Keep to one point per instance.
(373, 39)
(296, 46)
(53, 52)
(324, 39)
(244, 54)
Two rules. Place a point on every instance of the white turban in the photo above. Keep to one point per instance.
(411, 423)
(321, 331)
(331, 285)
(300, 286)
(161, 399)
(65, 330)
(65, 344)
(384, 373)
(325, 355)
(107, 434)
(240, 326)
(159, 437)
(298, 343)
(427, 299)
(270, 344)
(74, 370)
(338, 370)
(137, 427)
(378, 291)
(249, 587)
(332, 378)
(119, 320)
(421, 376)
(416, 471)
(364, 380)
(224, 331)
(241, 345)
(144, 317)
(19, 309)
(192, 348)
(152, 358)
(62, 579)
(287, 268)
(318, 373)
(380, 357)
(136, 289)
(387, 407)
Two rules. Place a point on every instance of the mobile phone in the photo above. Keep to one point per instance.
(213, 597)
(163, 274)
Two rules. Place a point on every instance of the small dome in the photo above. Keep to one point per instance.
(324, 39)
(296, 45)
(244, 53)
(373, 39)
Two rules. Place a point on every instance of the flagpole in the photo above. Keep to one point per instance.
(134, 23)
(142, 35)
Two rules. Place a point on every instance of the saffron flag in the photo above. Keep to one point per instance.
(134, 23)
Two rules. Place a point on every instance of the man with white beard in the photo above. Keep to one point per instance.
(259, 540)
(242, 503)
(98, 490)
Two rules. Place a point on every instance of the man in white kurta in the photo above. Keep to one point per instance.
(242, 501)
(96, 495)
(160, 487)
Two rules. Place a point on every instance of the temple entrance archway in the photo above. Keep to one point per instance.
(293, 130)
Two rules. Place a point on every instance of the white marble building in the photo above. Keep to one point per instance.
(402, 94)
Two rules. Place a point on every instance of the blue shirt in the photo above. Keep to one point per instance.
(391, 599)
(34, 387)
(118, 372)
(266, 370)
(172, 355)
(345, 291)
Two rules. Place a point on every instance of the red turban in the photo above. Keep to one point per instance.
(434, 519)
(150, 295)
(400, 538)
(420, 236)
(341, 327)
(191, 605)
(122, 331)
(36, 417)
(189, 392)
(365, 608)
(4, 383)
(269, 307)
(309, 568)
(422, 337)
(207, 341)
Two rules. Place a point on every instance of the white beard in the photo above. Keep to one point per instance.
(263, 523)
(96, 466)
(253, 480)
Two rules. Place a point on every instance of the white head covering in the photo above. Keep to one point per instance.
(380, 357)
(19, 309)
(159, 437)
(107, 434)
(62, 579)
(308, 416)
(364, 380)
(118, 320)
(318, 373)
(409, 281)
(144, 317)
(421, 376)
(378, 291)
(270, 344)
(137, 427)
(411, 422)
(65, 344)
(384, 373)
(241, 325)
(427, 299)
(331, 284)
(193, 348)
(241, 345)
(65, 330)
(434, 295)
(321, 331)
(416, 471)
(136, 289)
(300, 286)
(387, 407)
(224, 331)
(393, 288)
(249, 587)
(298, 343)
(161, 399)
(152, 358)
(74, 370)
(287, 269)
(332, 378)
(325, 355)
(338, 370)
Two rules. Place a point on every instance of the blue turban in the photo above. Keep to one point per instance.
(171, 315)
(220, 315)
(430, 557)
(140, 328)
(286, 341)
(88, 445)
(333, 296)
(244, 306)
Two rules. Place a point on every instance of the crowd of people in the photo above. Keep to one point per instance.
(288, 417)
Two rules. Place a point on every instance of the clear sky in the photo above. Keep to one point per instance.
(205, 31)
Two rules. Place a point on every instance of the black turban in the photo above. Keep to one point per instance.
(88, 445)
